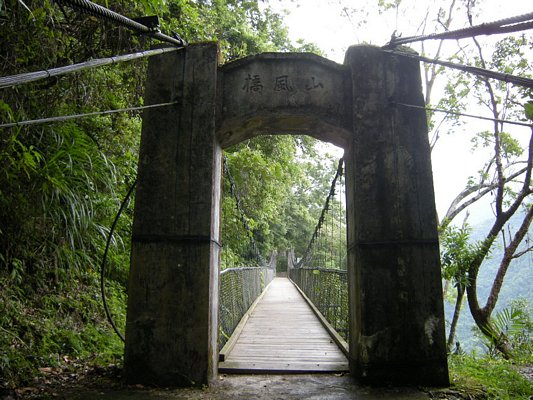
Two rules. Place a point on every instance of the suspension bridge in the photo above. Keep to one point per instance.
(379, 288)
(291, 324)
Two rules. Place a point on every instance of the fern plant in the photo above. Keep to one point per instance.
(512, 324)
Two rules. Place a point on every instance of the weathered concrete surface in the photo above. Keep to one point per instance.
(396, 309)
(284, 93)
(172, 320)
(257, 387)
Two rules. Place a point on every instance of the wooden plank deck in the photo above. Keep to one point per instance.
(282, 334)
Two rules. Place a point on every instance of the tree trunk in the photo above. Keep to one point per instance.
(499, 340)
(456, 313)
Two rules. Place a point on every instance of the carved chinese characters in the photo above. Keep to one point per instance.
(283, 93)
(282, 83)
(252, 84)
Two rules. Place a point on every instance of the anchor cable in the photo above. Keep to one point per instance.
(98, 11)
(507, 25)
(19, 79)
(63, 118)
(516, 80)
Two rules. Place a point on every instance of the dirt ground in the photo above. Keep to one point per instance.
(79, 381)
(107, 384)
(263, 387)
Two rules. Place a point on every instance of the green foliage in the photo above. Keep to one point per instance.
(499, 173)
(282, 183)
(457, 254)
(61, 184)
(455, 98)
(510, 146)
(54, 327)
(386, 5)
(528, 110)
(486, 378)
(515, 323)
(241, 27)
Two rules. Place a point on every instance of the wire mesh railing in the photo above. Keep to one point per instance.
(239, 288)
(321, 272)
(327, 289)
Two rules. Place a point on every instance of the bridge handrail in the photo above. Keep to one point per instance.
(323, 269)
(326, 288)
(239, 287)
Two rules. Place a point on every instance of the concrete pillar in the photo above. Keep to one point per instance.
(172, 322)
(396, 310)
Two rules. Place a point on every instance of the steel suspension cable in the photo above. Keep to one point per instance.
(96, 10)
(19, 79)
(516, 80)
(318, 227)
(63, 118)
(512, 24)
(503, 121)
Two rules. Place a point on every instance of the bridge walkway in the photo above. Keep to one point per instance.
(282, 335)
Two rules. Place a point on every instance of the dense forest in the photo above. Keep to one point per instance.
(62, 183)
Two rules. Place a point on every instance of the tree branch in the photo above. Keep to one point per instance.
(506, 261)
(478, 313)
(521, 253)
(483, 189)
(493, 106)
(431, 72)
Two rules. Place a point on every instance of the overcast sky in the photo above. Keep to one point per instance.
(333, 29)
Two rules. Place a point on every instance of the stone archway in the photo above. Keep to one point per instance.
(283, 93)
(396, 311)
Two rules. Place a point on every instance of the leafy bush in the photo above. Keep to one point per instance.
(516, 324)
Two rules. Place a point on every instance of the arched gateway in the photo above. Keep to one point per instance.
(396, 311)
